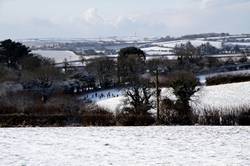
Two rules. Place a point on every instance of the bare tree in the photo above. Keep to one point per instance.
(137, 105)
(139, 99)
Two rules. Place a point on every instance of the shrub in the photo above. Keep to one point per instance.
(184, 85)
(7, 74)
(95, 116)
(209, 118)
(20, 120)
(239, 116)
(244, 118)
(26, 109)
(127, 117)
(168, 114)
(244, 59)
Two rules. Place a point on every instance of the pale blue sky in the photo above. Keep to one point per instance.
(101, 18)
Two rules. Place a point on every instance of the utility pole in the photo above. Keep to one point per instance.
(157, 95)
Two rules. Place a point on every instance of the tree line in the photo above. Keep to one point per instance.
(131, 71)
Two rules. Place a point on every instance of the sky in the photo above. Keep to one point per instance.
(20, 19)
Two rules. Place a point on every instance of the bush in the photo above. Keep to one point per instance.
(168, 114)
(27, 109)
(21, 120)
(7, 74)
(209, 118)
(128, 117)
(244, 118)
(184, 85)
(228, 117)
(95, 116)
(174, 113)
(31, 103)
(227, 79)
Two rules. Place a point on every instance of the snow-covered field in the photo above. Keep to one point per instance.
(165, 48)
(172, 44)
(111, 99)
(227, 97)
(151, 46)
(58, 56)
(239, 43)
(125, 146)
(162, 48)
(224, 55)
(156, 50)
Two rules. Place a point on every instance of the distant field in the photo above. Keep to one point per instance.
(58, 56)
(152, 47)
(195, 42)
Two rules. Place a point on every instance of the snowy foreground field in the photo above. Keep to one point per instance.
(125, 146)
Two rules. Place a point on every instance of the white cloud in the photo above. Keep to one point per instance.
(91, 16)
(204, 4)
